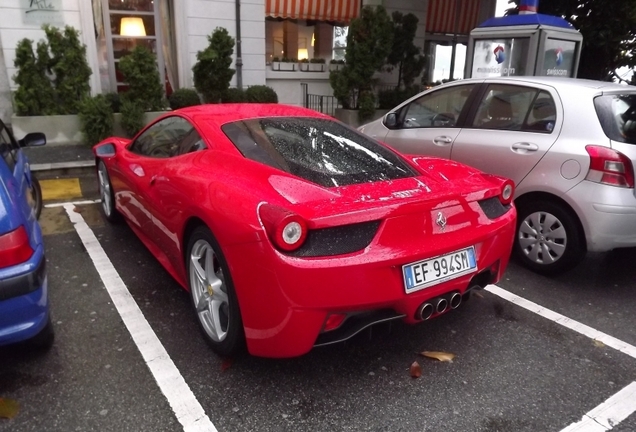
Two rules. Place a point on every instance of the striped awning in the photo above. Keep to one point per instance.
(452, 16)
(320, 10)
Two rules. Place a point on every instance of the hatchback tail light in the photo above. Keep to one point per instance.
(286, 229)
(14, 247)
(609, 167)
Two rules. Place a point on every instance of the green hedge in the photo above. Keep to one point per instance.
(184, 97)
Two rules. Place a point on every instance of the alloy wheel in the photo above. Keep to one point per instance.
(208, 291)
(104, 189)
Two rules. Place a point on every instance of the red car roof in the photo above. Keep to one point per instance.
(223, 113)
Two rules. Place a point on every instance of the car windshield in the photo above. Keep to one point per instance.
(617, 114)
(318, 150)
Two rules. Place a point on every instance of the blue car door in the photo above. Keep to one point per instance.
(17, 161)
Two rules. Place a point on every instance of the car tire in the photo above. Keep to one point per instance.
(548, 239)
(43, 340)
(36, 196)
(106, 194)
(212, 293)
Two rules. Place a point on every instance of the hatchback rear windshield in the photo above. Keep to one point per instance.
(322, 151)
(617, 114)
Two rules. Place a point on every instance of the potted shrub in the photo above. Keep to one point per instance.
(284, 64)
(96, 118)
(312, 65)
(261, 94)
(52, 81)
(184, 97)
(143, 101)
(234, 95)
(369, 42)
(405, 55)
(212, 72)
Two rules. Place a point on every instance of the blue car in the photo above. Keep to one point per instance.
(24, 302)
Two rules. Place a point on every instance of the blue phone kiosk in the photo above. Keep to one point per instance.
(524, 44)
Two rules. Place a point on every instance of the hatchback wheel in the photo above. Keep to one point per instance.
(213, 295)
(106, 194)
(548, 239)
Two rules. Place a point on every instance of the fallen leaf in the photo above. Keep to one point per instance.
(77, 209)
(416, 370)
(598, 343)
(226, 364)
(441, 356)
(8, 408)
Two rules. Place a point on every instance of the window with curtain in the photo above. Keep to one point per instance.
(122, 25)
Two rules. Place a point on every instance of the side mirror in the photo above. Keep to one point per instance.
(33, 139)
(390, 120)
(105, 150)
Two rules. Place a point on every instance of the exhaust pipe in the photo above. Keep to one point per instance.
(442, 304)
(425, 311)
(456, 300)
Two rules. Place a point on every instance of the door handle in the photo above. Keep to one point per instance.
(523, 146)
(442, 140)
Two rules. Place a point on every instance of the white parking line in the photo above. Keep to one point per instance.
(578, 327)
(189, 411)
(186, 407)
(618, 407)
(608, 414)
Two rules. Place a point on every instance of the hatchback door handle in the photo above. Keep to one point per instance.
(524, 147)
(442, 140)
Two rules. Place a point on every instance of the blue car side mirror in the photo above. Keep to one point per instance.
(33, 139)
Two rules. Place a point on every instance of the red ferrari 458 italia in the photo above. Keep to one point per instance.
(291, 230)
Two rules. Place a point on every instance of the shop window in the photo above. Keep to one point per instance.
(298, 39)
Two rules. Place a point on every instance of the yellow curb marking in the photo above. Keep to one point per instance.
(60, 189)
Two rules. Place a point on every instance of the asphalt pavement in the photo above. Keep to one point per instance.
(517, 366)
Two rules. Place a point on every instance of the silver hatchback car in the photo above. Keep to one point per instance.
(568, 144)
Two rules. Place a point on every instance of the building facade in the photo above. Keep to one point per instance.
(175, 30)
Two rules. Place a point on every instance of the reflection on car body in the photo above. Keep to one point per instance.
(289, 229)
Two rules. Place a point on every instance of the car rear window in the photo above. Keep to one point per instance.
(617, 114)
(322, 151)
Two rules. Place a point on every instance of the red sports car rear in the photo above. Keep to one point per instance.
(292, 230)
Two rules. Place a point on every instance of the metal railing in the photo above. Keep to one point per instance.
(321, 103)
(328, 104)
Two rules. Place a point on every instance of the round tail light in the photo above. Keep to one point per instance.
(507, 192)
(286, 229)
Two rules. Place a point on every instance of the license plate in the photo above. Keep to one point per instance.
(436, 270)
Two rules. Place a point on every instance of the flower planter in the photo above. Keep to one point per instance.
(312, 67)
(283, 66)
(59, 129)
(64, 129)
(335, 67)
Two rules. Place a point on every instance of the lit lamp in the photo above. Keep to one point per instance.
(303, 53)
(132, 26)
